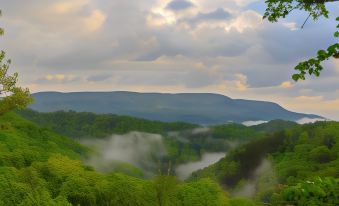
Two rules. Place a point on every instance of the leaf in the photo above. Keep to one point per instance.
(295, 77)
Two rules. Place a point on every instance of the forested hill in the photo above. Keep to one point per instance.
(297, 166)
(184, 142)
(199, 108)
(41, 168)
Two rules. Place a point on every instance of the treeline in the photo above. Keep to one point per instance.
(86, 125)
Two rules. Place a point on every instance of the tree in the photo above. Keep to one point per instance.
(277, 9)
(11, 95)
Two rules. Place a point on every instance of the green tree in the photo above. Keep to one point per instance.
(11, 95)
(277, 9)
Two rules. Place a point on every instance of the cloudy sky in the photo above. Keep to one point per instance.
(219, 46)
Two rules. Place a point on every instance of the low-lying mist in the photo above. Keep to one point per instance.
(141, 150)
(185, 170)
(250, 187)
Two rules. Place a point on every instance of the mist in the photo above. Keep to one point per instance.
(141, 150)
(185, 170)
(309, 120)
(250, 187)
(252, 123)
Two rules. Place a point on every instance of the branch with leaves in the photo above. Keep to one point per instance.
(277, 9)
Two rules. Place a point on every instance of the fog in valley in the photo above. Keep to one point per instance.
(185, 170)
(139, 149)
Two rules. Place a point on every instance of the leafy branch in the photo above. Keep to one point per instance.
(316, 8)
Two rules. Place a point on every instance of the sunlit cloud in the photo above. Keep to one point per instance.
(286, 84)
(241, 82)
(69, 6)
(95, 20)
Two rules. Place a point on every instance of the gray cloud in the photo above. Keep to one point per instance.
(140, 54)
(100, 77)
(217, 15)
(177, 5)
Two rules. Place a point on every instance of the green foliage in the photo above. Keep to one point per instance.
(11, 96)
(274, 126)
(241, 202)
(23, 142)
(201, 193)
(319, 191)
(89, 125)
(316, 8)
(281, 8)
(298, 154)
(41, 168)
(186, 145)
(313, 66)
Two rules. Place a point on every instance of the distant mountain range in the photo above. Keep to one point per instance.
(199, 108)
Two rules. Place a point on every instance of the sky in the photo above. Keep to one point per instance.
(170, 46)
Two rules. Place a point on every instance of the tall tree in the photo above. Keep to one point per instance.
(11, 95)
(277, 9)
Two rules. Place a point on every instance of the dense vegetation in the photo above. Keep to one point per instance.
(184, 142)
(304, 169)
(40, 167)
(86, 125)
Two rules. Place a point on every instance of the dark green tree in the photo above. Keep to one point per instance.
(277, 9)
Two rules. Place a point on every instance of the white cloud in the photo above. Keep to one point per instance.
(309, 120)
(252, 123)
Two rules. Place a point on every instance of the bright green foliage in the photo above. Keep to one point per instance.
(41, 168)
(297, 154)
(241, 202)
(316, 192)
(200, 193)
(23, 142)
(316, 8)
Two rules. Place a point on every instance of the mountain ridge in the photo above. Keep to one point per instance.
(198, 108)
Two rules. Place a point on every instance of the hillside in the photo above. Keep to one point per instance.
(183, 142)
(39, 167)
(204, 109)
(23, 142)
(278, 167)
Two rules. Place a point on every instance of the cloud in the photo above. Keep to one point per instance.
(252, 123)
(241, 82)
(286, 84)
(95, 21)
(217, 15)
(309, 120)
(177, 5)
(69, 6)
(57, 78)
(100, 77)
(147, 47)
